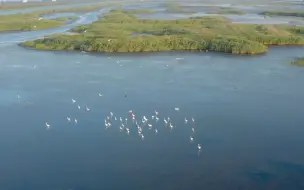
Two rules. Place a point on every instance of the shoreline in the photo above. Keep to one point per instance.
(141, 52)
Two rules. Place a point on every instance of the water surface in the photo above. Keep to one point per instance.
(247, 110)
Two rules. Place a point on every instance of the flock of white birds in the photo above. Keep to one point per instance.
(131, 121)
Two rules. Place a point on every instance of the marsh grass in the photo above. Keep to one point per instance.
(26, 22)
(114, 32)
(228, 10)
(30, 21)
(298, 61)
(172, 7)
(283, 13)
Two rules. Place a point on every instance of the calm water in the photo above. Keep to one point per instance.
(248, 113)
(247, 110)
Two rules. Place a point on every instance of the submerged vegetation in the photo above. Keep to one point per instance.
(114, 33)
(283, 13)
(298, 61)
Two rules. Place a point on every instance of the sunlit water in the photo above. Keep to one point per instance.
(247, 111)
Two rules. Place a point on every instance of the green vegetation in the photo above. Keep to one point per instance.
(283, 13)
(66, 18)
(31, 21)
(114, 33)
(138, 11)
(298, 61)
(26, 22)
(225, 10)
(17, 6)
(176, 8)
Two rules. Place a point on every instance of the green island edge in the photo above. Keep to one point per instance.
(119, 31)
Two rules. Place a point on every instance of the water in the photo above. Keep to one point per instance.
(247, 110)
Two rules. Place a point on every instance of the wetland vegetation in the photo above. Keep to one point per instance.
(298, 61)
(283, 13)
(172, 7)
(114, 33)
(227, 10)
(33, 20)
(26, 22)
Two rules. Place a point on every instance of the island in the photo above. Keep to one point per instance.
(119, 31)
(228, 10)
(283, 13)
(35, 21)
(298, 61)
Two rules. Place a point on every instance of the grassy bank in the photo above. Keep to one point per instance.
(176, 8)
(32, 21)
(138, 11)
(114, 32)
(26, 22)
(283, 13)
(225, 10)
(67, 18)
(298, 62)
(17, 6)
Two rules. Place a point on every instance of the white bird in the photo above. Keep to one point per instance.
(111, 114)
(156, 113)
(34, 66)
(48, 126)
(126, 120)
(192, 129)
(156, 118)
(115, 119)
(69, 119)
(120, 119)
(142, 137)
(18, 96)
(192, 119)
(88, 109)
(130, 111)
(100, 94)
(156, 131)
(76, 121)
(73, 100)
(171, 126)
(168, 119)
(78, 107)
(153, 117)
(150, 126)
(191, 139)
(128, 131)
(199, 147)
(40, 18)
(120, 128)
(176, 109)
(108, 118)
(166, 122)
(186, 121)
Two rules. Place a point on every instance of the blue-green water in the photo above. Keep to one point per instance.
(247, 111)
